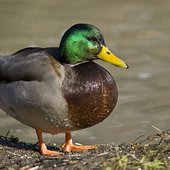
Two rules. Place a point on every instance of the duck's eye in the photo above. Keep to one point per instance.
(92, 38)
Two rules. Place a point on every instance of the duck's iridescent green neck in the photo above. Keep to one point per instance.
(81, 42)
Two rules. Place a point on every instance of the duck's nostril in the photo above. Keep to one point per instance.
(108, 52)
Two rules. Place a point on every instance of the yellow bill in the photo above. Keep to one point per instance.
(109, 57)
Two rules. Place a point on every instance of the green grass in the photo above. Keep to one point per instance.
(152, 153)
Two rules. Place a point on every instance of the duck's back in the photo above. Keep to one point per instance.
(27, 64)
(91, 96)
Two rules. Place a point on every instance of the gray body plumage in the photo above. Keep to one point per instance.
(30, 91)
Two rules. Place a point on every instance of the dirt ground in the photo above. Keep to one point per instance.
(146, 152)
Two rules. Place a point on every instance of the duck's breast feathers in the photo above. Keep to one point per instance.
(28, 65)
(91, 96)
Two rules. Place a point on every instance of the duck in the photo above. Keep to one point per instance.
(60, 89)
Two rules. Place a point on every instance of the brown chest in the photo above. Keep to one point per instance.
(91, 95)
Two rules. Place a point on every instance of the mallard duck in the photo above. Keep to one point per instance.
(59, 90)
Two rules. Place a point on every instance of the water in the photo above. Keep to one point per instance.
(137, 31)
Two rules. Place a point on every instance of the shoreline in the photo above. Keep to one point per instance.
(145, 152)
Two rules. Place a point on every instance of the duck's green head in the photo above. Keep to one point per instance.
(84, 42)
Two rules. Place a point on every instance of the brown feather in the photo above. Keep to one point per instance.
(91, 93)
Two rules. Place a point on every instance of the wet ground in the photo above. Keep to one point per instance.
(137, 31)
(147, 153)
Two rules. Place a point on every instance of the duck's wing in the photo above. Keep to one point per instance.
(53, 51)
(28, 65)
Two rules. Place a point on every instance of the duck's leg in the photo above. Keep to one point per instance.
(69, 146)
(42, 147)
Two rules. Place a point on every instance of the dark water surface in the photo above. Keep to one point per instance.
(137, 31)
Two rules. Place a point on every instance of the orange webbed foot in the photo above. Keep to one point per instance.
(45, 151)
(42, 147)
(70, 147)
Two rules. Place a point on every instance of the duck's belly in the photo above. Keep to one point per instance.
(39, 106)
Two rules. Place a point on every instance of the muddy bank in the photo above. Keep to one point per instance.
(151, 152)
